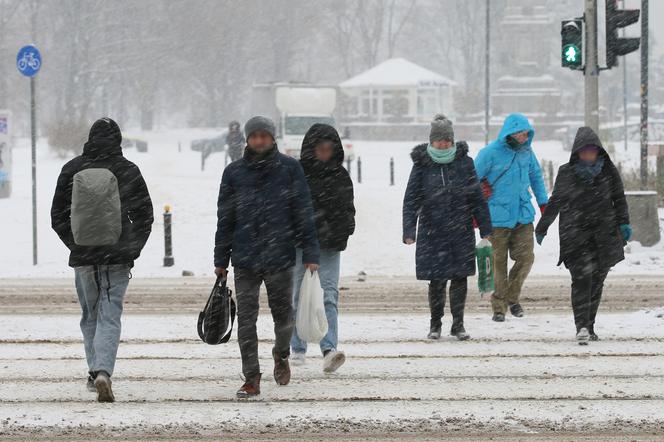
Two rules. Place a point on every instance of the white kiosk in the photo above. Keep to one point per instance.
(5, 154)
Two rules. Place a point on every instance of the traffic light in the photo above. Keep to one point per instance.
(572, 43)
(616, 19)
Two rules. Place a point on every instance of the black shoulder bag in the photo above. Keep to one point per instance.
(215, 322)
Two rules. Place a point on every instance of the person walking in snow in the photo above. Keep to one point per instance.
(442, 197)
(508, 168)
(103, 213)
(322, 159)
(234, 141)
(594, 225)
(264, 210)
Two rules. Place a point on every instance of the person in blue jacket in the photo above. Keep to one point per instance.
(442, 197)
(264, 210)
(508, 169)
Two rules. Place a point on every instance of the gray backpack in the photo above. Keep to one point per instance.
(96, 217)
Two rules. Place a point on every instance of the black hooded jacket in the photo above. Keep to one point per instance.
(331, 189)
(590, 213)
(103, 151)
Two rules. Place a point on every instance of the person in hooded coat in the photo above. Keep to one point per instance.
(322, 158)
(442, 197)
(508, 169)
(594, 225)
(102, 272)
(235, 141)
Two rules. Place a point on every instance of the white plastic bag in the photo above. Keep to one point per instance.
(311, 321)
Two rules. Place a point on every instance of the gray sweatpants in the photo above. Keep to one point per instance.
(101, 290)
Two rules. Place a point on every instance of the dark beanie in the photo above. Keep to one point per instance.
(260, 123)
(105, 128)
(441, 129)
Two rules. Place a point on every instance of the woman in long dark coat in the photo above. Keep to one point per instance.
(444, 195)
(594, 225)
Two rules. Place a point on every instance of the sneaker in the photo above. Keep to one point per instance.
(498, 317)
(593, 335)
(281, 369)
(333, 360)
(298, 359)
(582, 337)
(251, 387)
(90, 386)
(434, 332)
(460, 334)
(103, 385)
(516, 310)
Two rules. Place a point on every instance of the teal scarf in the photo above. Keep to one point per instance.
(442, 156)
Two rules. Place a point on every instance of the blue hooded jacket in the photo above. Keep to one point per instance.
(511, 173)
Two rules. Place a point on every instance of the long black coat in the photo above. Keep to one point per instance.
(263, 211)
(103, 151)
(444, 198)
(331, 189)
(590, 213)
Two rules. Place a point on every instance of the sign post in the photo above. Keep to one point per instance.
(5, 154)
(28, 63)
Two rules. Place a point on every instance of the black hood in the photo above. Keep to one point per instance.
(314, 135)
(104, 139)
(586, 136)
(419, 154)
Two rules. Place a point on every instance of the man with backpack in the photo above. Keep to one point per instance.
(264, 210)
(508, 169)
(102, 212)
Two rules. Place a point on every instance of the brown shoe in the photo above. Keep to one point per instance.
(251, 387)
(281, 369)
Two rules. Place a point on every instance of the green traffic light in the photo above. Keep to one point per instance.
(571, 55)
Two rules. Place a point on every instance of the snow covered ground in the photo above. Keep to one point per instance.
(524, 377)
(175, 178)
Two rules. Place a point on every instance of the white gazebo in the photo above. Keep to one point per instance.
(397, 90)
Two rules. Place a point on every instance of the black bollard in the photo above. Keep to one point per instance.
(169, 261)
(391, 171)
(359, 169)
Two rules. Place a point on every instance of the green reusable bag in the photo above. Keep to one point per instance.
(484, 255)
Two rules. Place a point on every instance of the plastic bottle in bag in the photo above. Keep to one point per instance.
(485, 273)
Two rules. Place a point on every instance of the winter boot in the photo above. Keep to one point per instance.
(583, 336)
(460, 333)
(251, 387)
(103, 385)
(281, 369)
(516, 310)
(498, 317)
(593, 335)
(333, 360)
(298, 359)
(434, 332)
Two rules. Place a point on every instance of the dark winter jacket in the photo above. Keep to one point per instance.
(590, 213)
(444, 198)
(331, 189)
(103, 151)
(263, 211)
(235, 142)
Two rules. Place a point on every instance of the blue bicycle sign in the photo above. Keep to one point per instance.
(28, 60)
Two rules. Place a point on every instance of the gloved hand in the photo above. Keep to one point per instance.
(539, 238)
(626, 231)
(542, 208)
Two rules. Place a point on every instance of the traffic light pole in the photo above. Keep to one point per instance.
(644, 94)
(591, 71)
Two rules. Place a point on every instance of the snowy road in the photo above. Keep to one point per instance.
(525, 378)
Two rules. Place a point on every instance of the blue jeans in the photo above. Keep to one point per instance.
(328, 272)
(101, 290)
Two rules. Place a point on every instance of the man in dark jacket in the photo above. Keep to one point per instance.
(594, 225)
(442, 197)
(234, 141)
(322, 158)
(264, 210)
(103, 213)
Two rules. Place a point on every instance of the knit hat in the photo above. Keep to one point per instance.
(441, 129)
(588, 147)
(260, 123)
